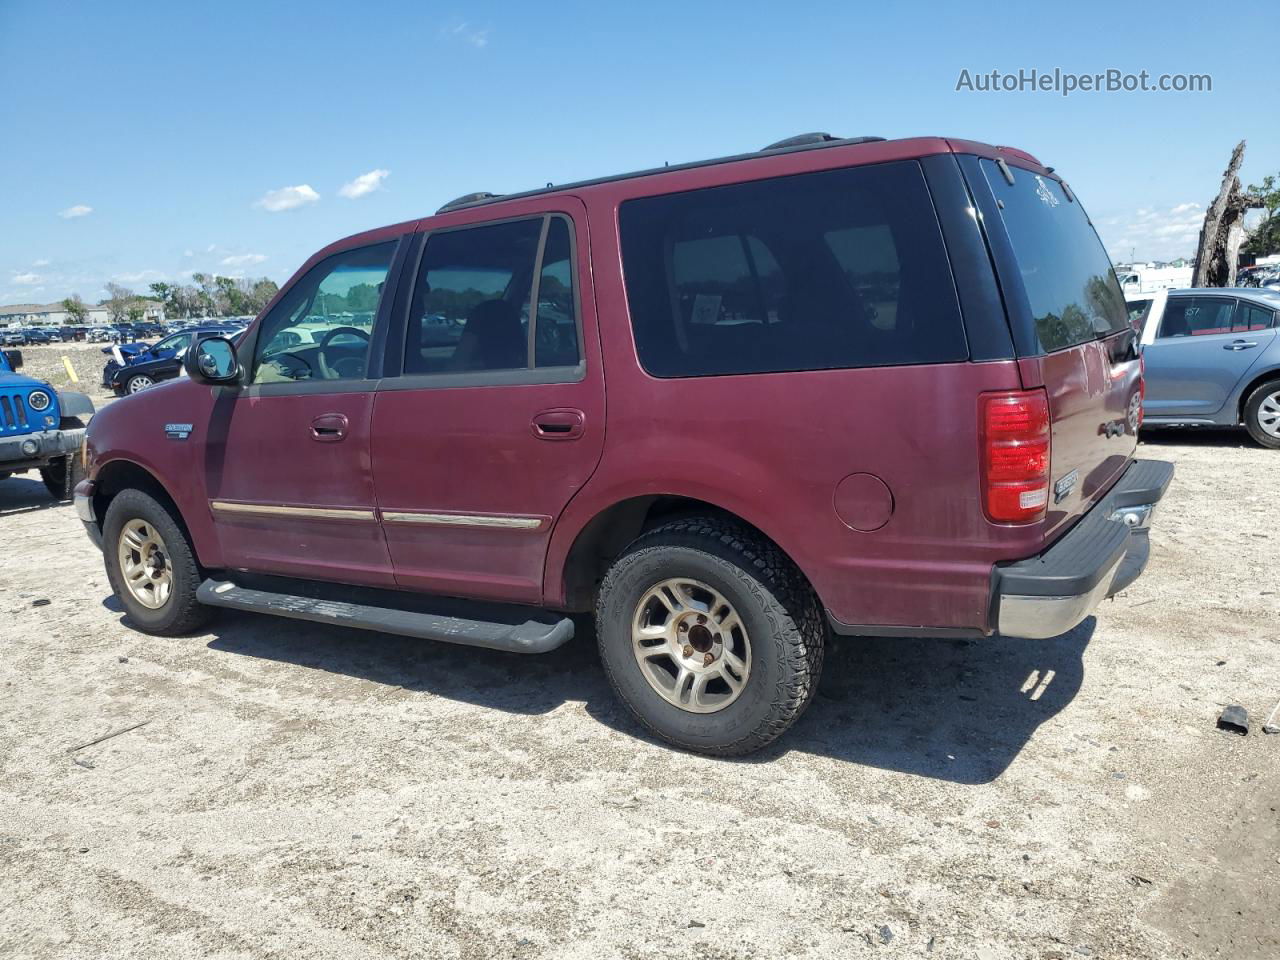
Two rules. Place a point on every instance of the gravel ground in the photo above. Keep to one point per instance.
(310, 792)
(87, 359)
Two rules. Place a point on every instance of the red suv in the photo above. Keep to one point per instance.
(862, 386)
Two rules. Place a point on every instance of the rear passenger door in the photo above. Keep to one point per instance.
(1204, 346)
(492, 414)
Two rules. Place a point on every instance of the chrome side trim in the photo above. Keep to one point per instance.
(464, 520)
(301, 513)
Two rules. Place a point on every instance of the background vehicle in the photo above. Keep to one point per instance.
(834, 402)
(1212, 357)
(34, 335)
(40, 428)
(145, 365)
(13, 338)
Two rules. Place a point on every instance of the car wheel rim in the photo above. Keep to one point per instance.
(144, 564)
(139, 383)
(691, 645)
(1269, 415)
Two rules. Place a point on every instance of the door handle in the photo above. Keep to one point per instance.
(329, 428)
(564, 423)
(1240, 345)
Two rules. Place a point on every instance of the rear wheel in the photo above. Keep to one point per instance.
(710, 636)
(151, 566)
(1262, 414)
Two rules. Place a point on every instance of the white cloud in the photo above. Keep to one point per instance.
(141, 276)
(40, 263)
(287, 198)
(478, 37)
(79, 210)
(363, 184)
(243, 259)
(1153, 233)
(188, 253)
(25, 279)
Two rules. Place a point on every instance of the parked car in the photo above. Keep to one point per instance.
(40, 428)
(13, 338)
(37, 335)
(836, 401)
(1213, 358)
(134, 367)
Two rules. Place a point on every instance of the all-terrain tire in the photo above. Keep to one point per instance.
(181, 612)
(1253, 413)
(782, 616)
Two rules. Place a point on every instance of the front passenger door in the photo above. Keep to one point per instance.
(288, 472)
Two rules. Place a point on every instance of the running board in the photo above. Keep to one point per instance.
(531, 636)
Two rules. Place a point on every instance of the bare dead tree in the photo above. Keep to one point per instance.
(1223, 229)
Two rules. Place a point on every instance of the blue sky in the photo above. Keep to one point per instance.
(172, 124)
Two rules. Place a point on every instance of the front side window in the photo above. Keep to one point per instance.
(838, 269)
(1073, 292)
(483, 302)
(1196, 316)
(321, 328)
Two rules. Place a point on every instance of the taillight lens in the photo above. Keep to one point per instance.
(1015, 455)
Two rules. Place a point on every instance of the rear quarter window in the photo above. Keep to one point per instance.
(838, 269)
(1072, 290)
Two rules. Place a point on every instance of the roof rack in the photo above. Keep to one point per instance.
(467, 199)
(804, 141)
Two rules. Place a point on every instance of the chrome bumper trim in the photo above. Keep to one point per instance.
(1039, 618)
(84, 508)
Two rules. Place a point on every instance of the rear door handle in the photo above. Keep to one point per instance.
(1240, 345)
(329, 428)
(564, 423)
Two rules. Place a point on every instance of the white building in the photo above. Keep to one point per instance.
(55, 315)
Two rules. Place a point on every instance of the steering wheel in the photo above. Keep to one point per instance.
(331, 372)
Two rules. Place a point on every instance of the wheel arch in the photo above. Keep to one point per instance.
(1271, 373)
(116, 476)
(603, 537)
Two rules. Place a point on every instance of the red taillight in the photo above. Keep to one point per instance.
(1015, 455)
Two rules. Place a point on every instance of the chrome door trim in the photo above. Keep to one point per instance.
(502, 521)
(301, 513)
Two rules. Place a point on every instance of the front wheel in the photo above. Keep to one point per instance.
(1262, 414)
(710, 636)
(138, 382)
(151, 566)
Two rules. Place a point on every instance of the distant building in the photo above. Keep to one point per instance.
(55, 315)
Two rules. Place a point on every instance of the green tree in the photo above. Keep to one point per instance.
(77, 312)
(1265, 238)
(117, 302)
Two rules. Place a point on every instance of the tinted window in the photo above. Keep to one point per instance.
(1196, 316)
(471, 305)
(320, 330)
(1073, 292)
(556, 339)
(843, 268)
(1138, 310)
(1251, 317)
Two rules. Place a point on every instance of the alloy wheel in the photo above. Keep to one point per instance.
(144, 564)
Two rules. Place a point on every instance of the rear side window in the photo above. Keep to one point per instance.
(844, 268)
(1250, 317)
(1196, 316)
(1072, 289)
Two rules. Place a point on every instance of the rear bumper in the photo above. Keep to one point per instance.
(1104, 552)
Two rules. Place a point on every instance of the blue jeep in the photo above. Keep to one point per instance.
(40, 429)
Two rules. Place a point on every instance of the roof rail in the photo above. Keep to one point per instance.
(805, 139)
(467, 199)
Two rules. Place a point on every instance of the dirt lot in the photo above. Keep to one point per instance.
(87, 359)
(308, 792)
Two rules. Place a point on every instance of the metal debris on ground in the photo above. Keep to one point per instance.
(1273, 722)
(1234, 719)
(42, 602)
(108, 736)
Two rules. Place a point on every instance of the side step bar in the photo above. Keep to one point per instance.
(531, 636)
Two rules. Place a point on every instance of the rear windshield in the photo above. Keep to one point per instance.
(843, 268)
(1072, 289)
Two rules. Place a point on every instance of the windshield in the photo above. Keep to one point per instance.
(1072, 289)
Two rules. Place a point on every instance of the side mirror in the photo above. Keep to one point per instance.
(14, 357)
(212, 360)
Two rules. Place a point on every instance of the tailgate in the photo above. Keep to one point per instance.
(1093, 392)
